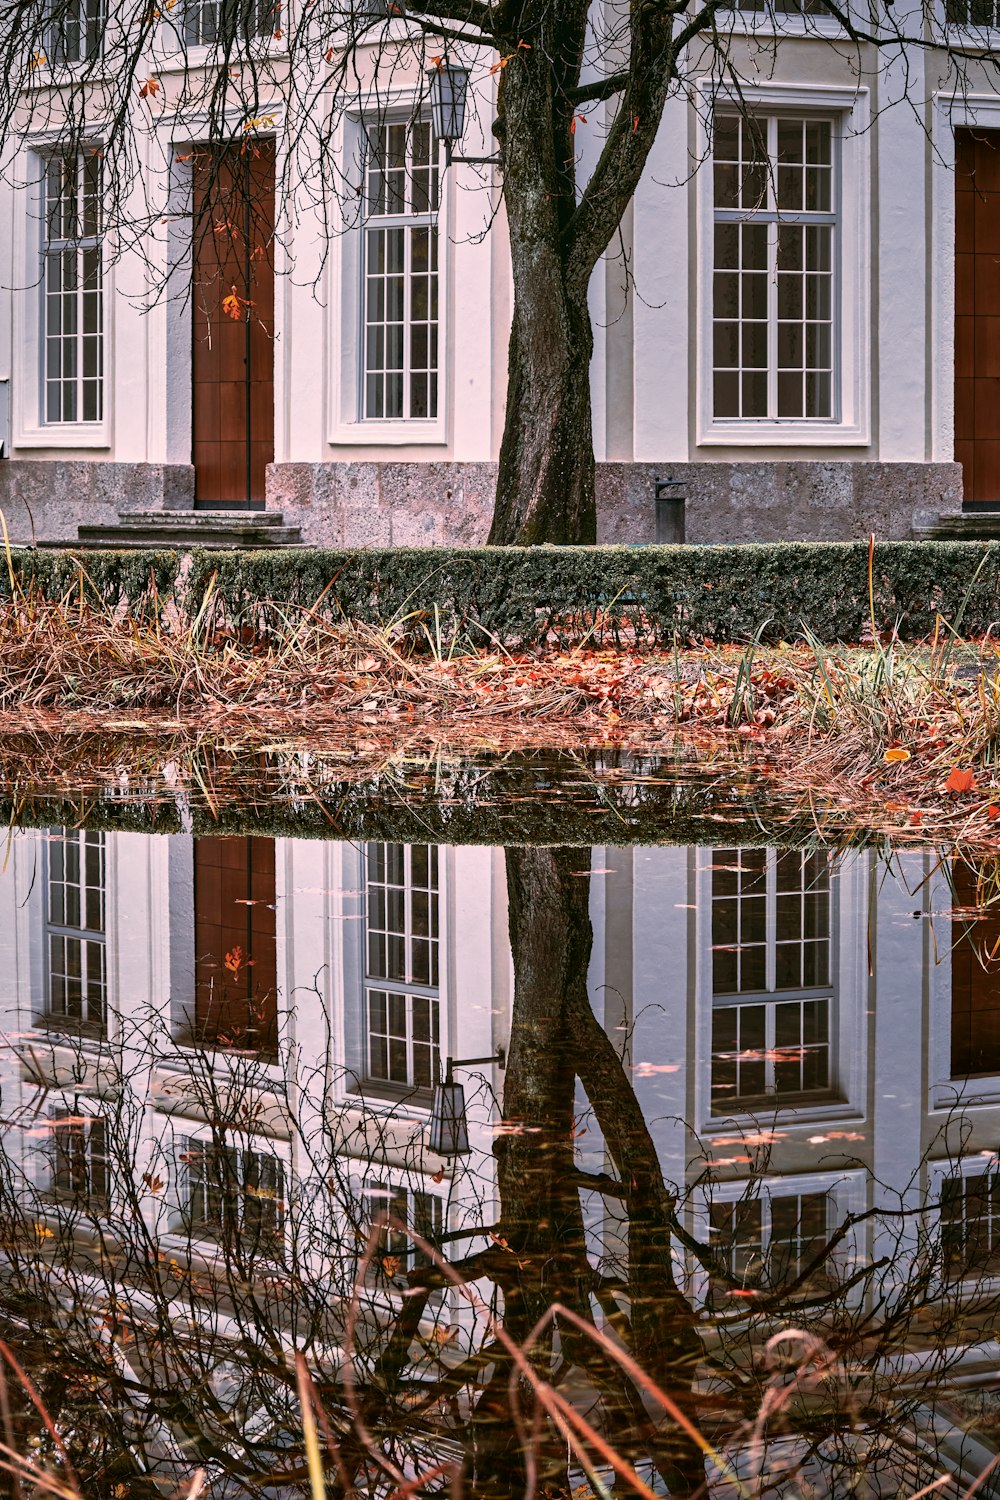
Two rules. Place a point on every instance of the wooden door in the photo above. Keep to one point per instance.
(233, 323)
(975, 974)
(977, 312)
(234, 938)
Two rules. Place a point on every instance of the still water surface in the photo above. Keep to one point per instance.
(717, 1210)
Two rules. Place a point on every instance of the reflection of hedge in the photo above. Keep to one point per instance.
(723, 593)
(113, 578)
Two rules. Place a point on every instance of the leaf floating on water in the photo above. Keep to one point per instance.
(896, 754)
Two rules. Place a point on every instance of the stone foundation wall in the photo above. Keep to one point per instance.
(440, 504)
(46, 499)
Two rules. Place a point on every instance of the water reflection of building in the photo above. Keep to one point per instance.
(809, 1040)
(357, 969)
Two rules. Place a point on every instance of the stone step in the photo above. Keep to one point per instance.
(974, 526)
(201, 519)
(214, 536)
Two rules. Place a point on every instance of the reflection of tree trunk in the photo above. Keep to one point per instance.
(555, 1036)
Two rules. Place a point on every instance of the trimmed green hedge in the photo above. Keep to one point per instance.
(518, 594)
(113, 577)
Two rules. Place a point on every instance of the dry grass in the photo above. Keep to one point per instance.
(907, 737)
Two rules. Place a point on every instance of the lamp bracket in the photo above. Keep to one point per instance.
(468, 161)
(499, 1057)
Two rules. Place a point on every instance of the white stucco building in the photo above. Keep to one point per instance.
(807, 345)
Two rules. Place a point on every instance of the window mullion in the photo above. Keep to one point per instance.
(771, 920)
(407, 249)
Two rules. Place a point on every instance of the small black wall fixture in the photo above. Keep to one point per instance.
(669, 499)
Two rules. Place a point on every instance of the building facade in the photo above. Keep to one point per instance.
(796, 324)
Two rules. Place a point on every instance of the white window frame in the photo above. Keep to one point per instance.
(848, 110)
(175, 1143)
(377, 1190)
(974, 1164)
(846, 1191)
(848, 1006)
(28, 425)
(59, 1121)
(86, 936)
(347, 424)
(86, 60)
(406, 987)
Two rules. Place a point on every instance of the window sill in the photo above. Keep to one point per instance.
(71, 1026)
(374, 1091)
(389, 434)
(64, 435)
(806, 1110)
(765, 23)
(768, 434)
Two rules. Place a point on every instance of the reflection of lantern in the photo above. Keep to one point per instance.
(449, 88)
(448, 1133)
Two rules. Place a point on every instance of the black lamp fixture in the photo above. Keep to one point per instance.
(448, 1133)
(449, 83)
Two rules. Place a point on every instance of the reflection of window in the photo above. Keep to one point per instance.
(771, 1240)
(400, 321)
(74, 32)
(79, 1159)
(402, 961)
(770, 937)
(77, 952)
(783, 7)
(233, 1190)
(394, 1252)
(972, 12)
(970, 1222)
(73, 288)
(209, 21)
(774, 266)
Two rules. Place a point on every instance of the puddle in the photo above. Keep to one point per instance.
(585, 1124)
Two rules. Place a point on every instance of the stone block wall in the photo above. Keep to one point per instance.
(440, 504)
(46, 499)
(445, 503)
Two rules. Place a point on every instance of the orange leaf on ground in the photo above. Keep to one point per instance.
(993, 811)
(960, 781)
(896, 753)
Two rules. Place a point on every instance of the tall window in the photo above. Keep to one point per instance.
(73, 288)
(769, 1241)
(76, 939)
(74, 32)
(395, 1253)
(970, 1223)
(209, 21)
(232, 1190)
(401, 281)
(79, 1160)
(402, 964)
(774, 284)
(771, 1015)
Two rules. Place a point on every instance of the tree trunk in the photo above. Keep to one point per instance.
(545, 485)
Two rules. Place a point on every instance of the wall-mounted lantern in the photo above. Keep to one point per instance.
(449, 83)
(448, 1133)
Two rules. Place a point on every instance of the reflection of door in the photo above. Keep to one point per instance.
(233, 323)
(234, 940)
(975, 975)
(977, 312)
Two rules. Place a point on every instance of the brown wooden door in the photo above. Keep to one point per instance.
(233, 323)
(975, 975)
(234, 940)
(977, 312)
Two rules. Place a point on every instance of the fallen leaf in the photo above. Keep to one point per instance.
(895, 754)
(960, 781)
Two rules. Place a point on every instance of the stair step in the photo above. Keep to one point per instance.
(189, 536)
(201, 519)
(978, 527)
